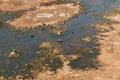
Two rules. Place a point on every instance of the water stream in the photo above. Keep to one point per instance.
(76, 29)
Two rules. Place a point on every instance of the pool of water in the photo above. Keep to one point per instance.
(74, 30)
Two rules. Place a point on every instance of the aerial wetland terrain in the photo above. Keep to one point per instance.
(59, 39)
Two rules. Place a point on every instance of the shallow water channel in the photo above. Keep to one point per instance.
(74, 30)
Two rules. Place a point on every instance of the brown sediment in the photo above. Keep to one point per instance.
(16, 5)
(40, 12)
(48, 15)
(87, 39)
(109, 39)
(109, 33)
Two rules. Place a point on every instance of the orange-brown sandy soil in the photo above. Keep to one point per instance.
(49, 15)
(109, 69)
(39, 12)
(15, 5)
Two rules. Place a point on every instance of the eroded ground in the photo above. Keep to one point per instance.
(40, 12)
(49, 15)
(15, 5)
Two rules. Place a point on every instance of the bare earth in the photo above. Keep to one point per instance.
(16, 5)
(49, 15)
(39, 12)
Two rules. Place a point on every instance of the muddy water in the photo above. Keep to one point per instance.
(28, 43)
